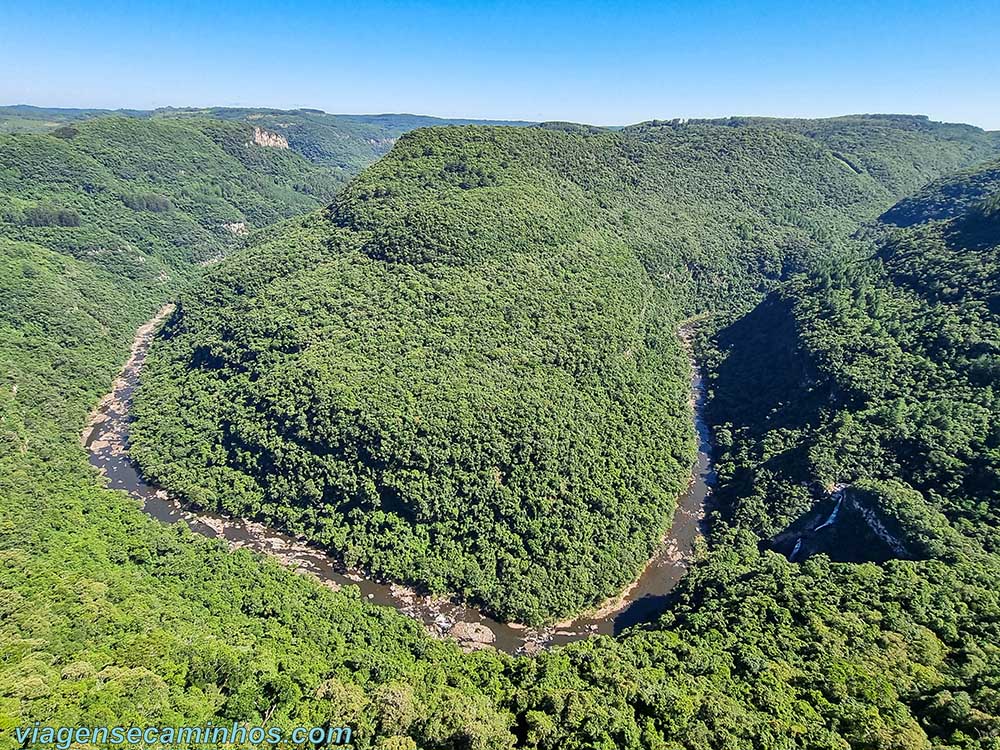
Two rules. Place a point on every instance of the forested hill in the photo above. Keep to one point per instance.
(882, 375)
(465, 373)
(901, 152)
(946, 197)
(143, 197)
(108, 617)
(344, 144)
(897, 360)
(103, 220)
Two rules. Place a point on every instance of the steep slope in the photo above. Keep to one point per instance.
(886, 382)
(898, 357)
(465, 374)
(108, 617)
(945, 198)
(344, 142)
(902, 152)
(144, 198)
(105, 219)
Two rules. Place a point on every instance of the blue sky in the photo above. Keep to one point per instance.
(603, 63)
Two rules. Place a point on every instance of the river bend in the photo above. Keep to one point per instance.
(106, 439)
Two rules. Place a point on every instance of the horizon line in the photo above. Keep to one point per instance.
(318, 110)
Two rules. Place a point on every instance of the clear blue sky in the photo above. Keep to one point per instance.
(603, 63)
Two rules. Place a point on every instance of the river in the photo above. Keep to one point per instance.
(106, 440)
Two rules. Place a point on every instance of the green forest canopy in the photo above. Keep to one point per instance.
(465, 375)
(343, 144)
(108, 617)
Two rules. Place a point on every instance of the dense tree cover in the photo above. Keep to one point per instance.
(877, 369)
(343, 144)
(108, 617)
(465, 375)
(450, 428)
(24, 118)
(756, 652)
(144, 198)
(883, 374)
(900, 151)
(946, 197)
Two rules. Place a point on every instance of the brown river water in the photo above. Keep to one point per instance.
(106, 439)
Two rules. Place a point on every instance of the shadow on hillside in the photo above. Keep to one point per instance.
(850, 539)
(760, 382)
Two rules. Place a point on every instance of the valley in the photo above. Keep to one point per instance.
(463, 375)
(106, 437)
(460, 372)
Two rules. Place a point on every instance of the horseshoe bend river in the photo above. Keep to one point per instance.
(106, 439)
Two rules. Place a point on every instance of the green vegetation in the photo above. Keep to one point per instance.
(108, 617)
(892, 363)
(148, 199)
(403, 407)
(22, 118)
(344, 144)
(902, 152)
(465, 375)
(883, 373)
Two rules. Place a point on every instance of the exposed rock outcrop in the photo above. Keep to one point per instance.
(472, 635)
(899, 549)
(266, 138)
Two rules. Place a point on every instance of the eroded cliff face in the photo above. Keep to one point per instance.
(880, 529)
(381, 145)
(266, 138)
(853, 530)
